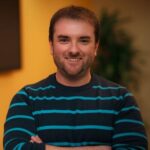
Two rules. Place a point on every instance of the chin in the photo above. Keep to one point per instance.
(75, 75)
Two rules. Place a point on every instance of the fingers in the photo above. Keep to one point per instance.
(36, 139)
(104, 148)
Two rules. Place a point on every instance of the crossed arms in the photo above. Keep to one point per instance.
(20, 126)
(36, 139)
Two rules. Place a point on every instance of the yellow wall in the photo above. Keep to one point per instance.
(36, 60)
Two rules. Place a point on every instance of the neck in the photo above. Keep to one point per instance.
(72, 82)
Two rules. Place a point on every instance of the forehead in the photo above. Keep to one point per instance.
(70, 27)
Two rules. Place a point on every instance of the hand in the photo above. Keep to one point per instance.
(36, 139)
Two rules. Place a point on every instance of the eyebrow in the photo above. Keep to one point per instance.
(63, 36)
(85, 37)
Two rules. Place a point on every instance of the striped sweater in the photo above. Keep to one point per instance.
(98, 113)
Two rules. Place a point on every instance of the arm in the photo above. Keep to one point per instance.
(129, 130)
(48, 147)
(20, 125)
(36, 139)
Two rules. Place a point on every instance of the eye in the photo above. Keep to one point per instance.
(84, 40)
(63, 40)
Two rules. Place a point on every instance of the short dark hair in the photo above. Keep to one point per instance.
(78, 13)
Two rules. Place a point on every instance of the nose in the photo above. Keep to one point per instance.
(74, 49)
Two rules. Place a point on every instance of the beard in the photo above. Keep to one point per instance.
(73, 66)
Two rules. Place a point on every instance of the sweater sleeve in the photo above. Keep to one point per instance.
(129, 131)
(20, 125)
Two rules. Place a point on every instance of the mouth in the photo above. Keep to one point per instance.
(73, 59)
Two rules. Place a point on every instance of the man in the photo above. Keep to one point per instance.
(74, 109)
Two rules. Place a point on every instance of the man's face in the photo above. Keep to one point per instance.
(73, 47)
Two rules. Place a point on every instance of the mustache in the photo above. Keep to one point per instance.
(73, 55)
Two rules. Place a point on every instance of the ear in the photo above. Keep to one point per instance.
(51, 47)
(96, 48)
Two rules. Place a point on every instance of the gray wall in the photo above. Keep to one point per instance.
(139, 28)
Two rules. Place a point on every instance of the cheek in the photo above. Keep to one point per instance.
(59, 49)
(90, 51)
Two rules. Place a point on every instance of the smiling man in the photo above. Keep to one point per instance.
(73, 48)
(74, 109)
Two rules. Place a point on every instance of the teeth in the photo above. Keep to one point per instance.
(73, 59)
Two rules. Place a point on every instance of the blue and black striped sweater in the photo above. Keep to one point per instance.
(98, 113)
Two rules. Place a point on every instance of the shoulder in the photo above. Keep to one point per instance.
(26, 92)
(103, 82)
(42, 83)
(109, 87)
(118, 94)
(38, 87)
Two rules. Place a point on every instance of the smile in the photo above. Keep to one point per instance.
(73, 59)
